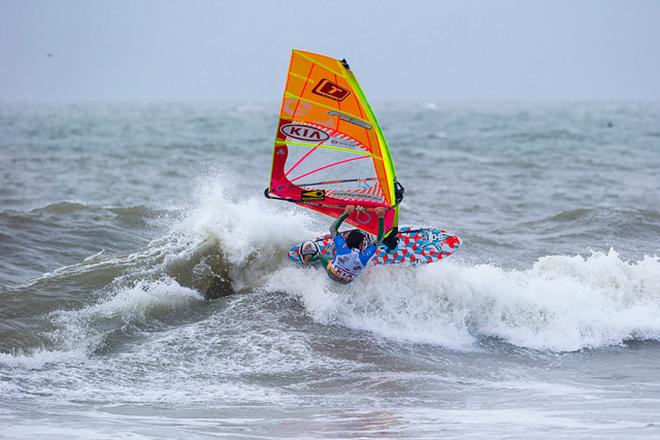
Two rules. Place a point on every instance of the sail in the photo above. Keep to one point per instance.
(329, 149)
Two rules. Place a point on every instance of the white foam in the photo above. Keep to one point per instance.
(36, 359)
(254, 233)
(560, 304)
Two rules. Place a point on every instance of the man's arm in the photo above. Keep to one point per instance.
(335, 225)
(373, 247)
(380, 212)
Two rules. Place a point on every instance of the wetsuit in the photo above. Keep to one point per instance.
(347, 263)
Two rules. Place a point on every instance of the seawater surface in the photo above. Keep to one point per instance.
(145, 290)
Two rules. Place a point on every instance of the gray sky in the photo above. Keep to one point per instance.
(400, 50)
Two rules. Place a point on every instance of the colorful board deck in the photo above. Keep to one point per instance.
(416, 246)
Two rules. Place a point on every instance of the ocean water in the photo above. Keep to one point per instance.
(145, 290)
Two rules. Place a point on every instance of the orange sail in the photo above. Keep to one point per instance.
(329, 149)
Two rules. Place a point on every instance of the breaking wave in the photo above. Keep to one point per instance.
(227, 245)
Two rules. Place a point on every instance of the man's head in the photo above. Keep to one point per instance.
(309, 248)
(354, 239)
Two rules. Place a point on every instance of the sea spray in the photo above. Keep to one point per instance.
(562, 303)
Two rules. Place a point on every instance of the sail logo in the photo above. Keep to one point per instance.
(304, 132)
(328, 89)
(312, 195)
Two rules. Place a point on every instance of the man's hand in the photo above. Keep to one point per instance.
(349, 209)
(380, 212)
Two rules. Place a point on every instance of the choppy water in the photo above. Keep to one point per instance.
(117, 221)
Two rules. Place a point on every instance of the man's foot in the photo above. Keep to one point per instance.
(392, 240)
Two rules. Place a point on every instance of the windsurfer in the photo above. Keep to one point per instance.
(349, 260)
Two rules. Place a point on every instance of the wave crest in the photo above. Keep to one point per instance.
(560, 304)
